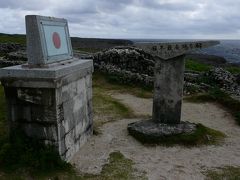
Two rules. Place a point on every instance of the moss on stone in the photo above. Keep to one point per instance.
(227, 172)
(202, 136)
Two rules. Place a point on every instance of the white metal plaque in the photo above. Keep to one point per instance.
(48, 39)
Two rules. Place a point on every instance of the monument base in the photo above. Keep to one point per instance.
(148, 131)
(52, 104)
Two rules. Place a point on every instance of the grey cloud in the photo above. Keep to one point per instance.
(135, 18)
(168, 6)
(24, 4)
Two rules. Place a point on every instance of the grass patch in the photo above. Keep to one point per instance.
(106, 108)
(108, 84)
(89, 50)
(118, 167)
(202, 136)
(22, 154)
(226, 173)
(218, 96)
(196, 66)
(13, 38)
(233, 69)
(106, 104)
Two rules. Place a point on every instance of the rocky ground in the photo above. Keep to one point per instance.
(130, 65)
(160, 162)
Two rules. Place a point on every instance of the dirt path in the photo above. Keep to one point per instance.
(164, 162)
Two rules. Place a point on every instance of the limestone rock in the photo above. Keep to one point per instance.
(127, 58)
(225, 80)
(149, 131)
(10, 47)
(20, 55)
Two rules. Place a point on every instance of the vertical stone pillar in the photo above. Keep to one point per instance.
(168, 90)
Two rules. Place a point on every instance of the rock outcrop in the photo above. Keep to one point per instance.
(126, 65)
(225, 80)
(134, 66)
(10, 47)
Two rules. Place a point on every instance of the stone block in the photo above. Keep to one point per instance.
(79, 115)
(80, 128)
(39, 131)
(62, 147)
(89, 94)
(69, 91)
(78, 102)
(70, 144)
(89, 81)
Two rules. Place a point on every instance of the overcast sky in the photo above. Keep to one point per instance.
(152, 19)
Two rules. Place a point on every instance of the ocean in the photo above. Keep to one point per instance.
(229, 49)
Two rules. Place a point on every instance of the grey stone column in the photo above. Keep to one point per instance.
(168, 90)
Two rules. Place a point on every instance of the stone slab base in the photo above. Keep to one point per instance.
(148, 131)
(52, 105)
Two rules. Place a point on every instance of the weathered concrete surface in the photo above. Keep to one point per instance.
(168, 90)
(169, 77)
(152, 132)
(56, 107)
(170, 50)
(55, 71)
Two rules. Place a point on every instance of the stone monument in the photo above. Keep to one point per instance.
(168, 90)
(50, 97)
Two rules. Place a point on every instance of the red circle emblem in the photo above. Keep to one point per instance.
(56, 40)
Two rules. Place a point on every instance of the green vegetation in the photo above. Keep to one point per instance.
(89, 50)
(19, 154)
(106, 108)
(196, 66)
(233, 69)
(3, 130)
(118, 168)
(22, 155)
(12, 38)
(202, 136)
(226, 173)
(108, 83)
(193, 65)
(218, 96)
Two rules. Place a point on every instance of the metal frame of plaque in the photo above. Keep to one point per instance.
(39, 45)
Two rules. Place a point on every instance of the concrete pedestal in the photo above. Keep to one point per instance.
(53, 105)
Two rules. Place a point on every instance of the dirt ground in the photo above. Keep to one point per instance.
(163, 162)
